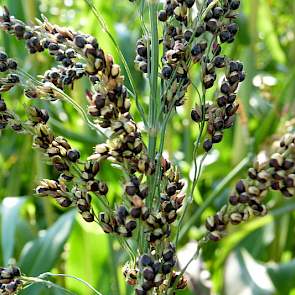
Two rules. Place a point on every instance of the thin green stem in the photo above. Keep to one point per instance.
(113, 265)
(49, 274)
(153, 78)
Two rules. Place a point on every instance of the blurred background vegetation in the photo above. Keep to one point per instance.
(256, 258)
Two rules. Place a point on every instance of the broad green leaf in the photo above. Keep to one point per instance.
(283, 276)
(88, 259)
(41, 254)
(243, 275)
(9, 218)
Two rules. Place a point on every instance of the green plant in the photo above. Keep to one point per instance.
(153, 191)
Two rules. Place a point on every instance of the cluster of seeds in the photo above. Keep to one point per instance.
(141, 59)
(156, 270)
(10, 80)
(219, 22)
(177, 36)
(64, 76)
(6, 66)
(55, 189)
(277, 173)
(10, 282)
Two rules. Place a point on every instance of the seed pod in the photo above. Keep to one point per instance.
(234, 4)
(168, 254)
(244, 198)
(207, 145)
(3, 56)
(3, 107)
(240, 187)
(235, 218)
(130, 224)
(147, 285)
(234, 200)
(166, 268)
(80, 41)
(135, 212)
(87, 216)
(217, 137)
(171, 189)
(215, 236)
(103, 188)
(73, 155)
(196, 115)
(225, 87)
(210, 223)
(167, 72)
(218, 12)
(148, 273)
(212, 25)
(139, 290)
(162, 15)
(131, 189)
(145, 260)
(208, 81)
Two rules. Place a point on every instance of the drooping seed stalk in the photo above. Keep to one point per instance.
(122, 57)
(210, 199)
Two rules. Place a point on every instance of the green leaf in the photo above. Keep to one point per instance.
(9, 219)
(283, 276)
(41, 254)
(88, 259)
(243, 275)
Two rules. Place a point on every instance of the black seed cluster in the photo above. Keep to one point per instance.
(54, 189)
(10, 281)
(141, 59)
(172, 198)
(221, 114)
(7, 118)
(7, 66)
(156, 270)
(176, 38)
(277, 173)
(64, 76)
(82, 199)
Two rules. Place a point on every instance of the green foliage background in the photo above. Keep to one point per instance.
(256, 258)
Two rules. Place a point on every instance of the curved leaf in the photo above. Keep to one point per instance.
(41, 254)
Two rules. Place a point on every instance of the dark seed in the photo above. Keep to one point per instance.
(233, 28)
(235, 4)
(207, 145)
(167, 72)
(12, 64)
(162, 15)
(146, 260)
(73, 155)
(3, 56)
(2, 106)
(166, 268)
(188, 35)
(80, 41)
(148, 273)
(212, 25)
(196, 116)
(240, 187)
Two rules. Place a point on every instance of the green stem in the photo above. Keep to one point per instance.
(153, 78)
(113, 264)
(49, 274)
